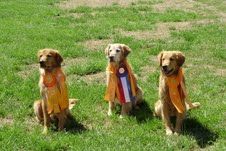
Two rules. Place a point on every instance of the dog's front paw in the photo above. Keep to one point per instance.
(169, 131)
(45, 130)
(109, 113)
(121, 116)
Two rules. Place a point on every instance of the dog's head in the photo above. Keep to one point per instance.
(170, 61)
(49, 59)
(117, 52)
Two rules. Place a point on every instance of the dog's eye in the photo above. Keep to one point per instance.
(163, 59)
(171, 59)
(49, 55)
(118, 50)
(110, 50)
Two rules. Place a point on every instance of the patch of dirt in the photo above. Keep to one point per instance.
(28, 70)
(79, 15)
(6, 121)
(146, 71)
(149, 69)
(68, 62)
(30, 123)
(96, 45)
(162, 30)
(99, 77)
(94, 3)
(221, 72)
(76, 15)
(215, 70)
(190, 6)
(175, 4)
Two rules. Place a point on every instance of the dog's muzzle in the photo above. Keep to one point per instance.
(42, 64)
(166, 70)
(111, 58)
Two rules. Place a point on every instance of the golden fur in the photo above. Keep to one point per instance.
(49, 60)
(117, 53)
(170, 62)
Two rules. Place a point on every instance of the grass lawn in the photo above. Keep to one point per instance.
(81, 31)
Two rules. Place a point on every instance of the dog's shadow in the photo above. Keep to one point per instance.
(201, 133)
(73, 126)
(144, 113)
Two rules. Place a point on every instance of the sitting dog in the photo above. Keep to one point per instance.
(122, 85)
(55, 103)
(173, 99)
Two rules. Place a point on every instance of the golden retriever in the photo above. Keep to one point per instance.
(54, 103)
(170, 63)
(116, 54)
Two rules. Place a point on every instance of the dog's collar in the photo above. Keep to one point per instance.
(50, 78)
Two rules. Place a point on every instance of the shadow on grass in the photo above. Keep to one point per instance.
(201, 133)
(144, 113)
(74, 126)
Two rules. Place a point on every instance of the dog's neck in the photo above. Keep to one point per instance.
(118, 64)
(48, 71)
(175, 73)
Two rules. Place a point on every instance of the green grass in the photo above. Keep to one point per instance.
(31, 25)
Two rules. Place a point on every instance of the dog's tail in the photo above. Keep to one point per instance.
(72, 103)
(190, 105)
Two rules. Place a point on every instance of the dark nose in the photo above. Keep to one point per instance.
(41, 63)
(111, 58)
(164, 68)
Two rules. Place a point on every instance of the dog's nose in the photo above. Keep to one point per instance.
(41, 62)
(111, 58)
(164, 68)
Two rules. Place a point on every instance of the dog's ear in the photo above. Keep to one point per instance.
(159, 57)
(126, 50)
(106, 51)
(58, 58)
(180, 59)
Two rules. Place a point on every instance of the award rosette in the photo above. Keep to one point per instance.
(124, 86)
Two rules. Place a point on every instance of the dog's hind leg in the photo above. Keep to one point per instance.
(158, 109)
(139, 97)
(38, 110)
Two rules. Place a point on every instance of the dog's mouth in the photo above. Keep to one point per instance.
(111, 59)
(44, 66)
(168, 72)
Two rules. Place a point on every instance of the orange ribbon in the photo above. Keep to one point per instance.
(177, 90)
(57, 94)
